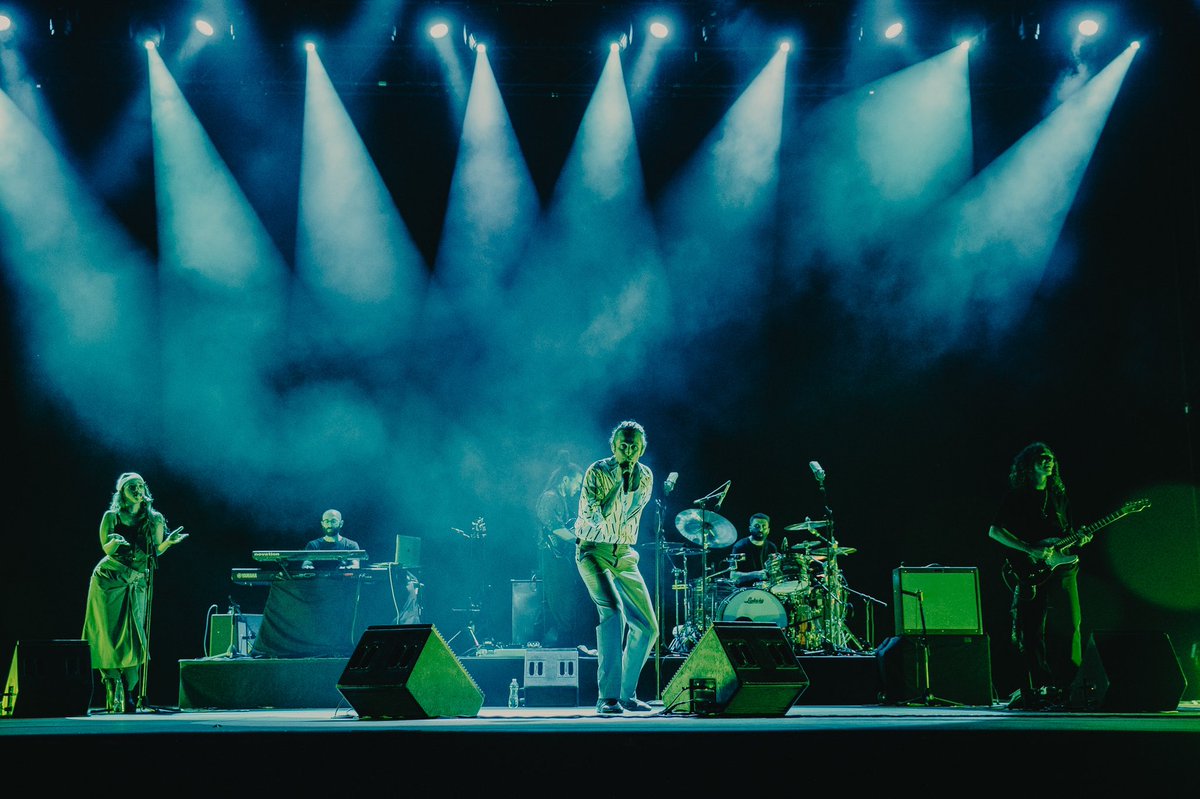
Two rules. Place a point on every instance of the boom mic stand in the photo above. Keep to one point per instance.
(927, 697)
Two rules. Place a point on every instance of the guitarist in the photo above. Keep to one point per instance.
(1033, 514)
(566, 611)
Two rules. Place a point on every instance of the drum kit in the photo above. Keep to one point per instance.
(804, 592)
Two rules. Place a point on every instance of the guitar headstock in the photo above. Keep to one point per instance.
(1135, 506)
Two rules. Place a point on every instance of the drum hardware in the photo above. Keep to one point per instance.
(810, 525)
(707, 528)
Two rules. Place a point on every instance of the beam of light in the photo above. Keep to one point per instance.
(439, 30)
(644, 66)
(453, 72)
(222, 303)
(84, 293)
(717, 219)
(590, 292)
(870, 162)
(493, 204)
(993, 240)
(204, 27)
(352, 247)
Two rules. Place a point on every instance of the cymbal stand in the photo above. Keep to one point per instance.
(658, 581)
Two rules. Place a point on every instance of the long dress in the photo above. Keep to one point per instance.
(114, 623)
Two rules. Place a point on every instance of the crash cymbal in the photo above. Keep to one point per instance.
(833, 552)
(705, 528)
(804, 545)
(809, 524)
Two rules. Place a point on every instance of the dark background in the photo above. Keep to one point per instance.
(1102, 366)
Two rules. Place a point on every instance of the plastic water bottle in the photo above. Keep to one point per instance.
(514, 694)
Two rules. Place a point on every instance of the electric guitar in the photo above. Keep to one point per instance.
(1025, 573)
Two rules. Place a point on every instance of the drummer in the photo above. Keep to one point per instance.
(750, 554)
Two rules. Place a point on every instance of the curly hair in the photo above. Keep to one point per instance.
(1021, 473)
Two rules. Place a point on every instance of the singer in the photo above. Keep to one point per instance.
(132, 536)
(615, 492)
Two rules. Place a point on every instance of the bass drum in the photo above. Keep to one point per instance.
(754, 604)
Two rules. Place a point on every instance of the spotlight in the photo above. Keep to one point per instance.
(1135, 44)
(205, 27)
(5, 23)
(310, 47)
(621, 37)
(893, 30)
(1089, 27)
(659, 30)
(438, 30)
(146, 32)
(785, 46)
(472, 39)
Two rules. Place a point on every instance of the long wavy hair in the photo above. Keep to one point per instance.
(145, 517)
(1021, 474)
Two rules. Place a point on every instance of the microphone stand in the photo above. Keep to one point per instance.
(658, 570)
(927, 697)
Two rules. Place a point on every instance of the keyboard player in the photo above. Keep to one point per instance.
(331, 523)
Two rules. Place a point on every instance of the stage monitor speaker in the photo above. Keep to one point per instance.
(407, 671)
(737, 668)
(960, 669)
(1128, 671)
(949, 596)
(49, 679)
(222, 639)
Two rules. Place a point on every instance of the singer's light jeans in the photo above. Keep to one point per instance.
(610, 573)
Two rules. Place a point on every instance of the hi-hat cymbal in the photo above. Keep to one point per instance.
(705, 528)
(809, 524)
(832, 552)
(803, 545)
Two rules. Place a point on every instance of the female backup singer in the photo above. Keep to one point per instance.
(114, 625)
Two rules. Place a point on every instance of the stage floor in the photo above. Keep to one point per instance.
(868, 746)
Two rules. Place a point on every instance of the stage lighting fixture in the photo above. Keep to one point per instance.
(438, 30)
(621, 36)
(471, 39)
(310, 47)
(205, 27)
(146, 32)
(893, 30)
(785, 46)
(6, 23)
(659, 30)
(1089, 27)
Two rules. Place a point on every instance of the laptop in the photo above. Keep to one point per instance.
(408, 551)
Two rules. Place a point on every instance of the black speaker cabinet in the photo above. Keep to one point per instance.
(407, 671)
(949, 596)
(960, 669)
(527, 616)
(737, 668)
(49, 679)
(1128, 671)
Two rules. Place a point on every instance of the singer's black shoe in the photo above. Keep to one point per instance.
(635, 705)
(609, 707)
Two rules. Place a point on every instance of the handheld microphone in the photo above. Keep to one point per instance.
(817, 471)
(669, 483)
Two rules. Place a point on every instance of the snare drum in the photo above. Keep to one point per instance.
(754, 604)
(788, 573)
